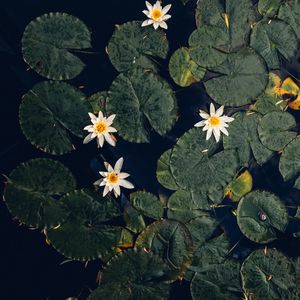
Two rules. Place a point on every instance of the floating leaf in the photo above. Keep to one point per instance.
(239, 186)
(268, 272)
(289, 164)
(134, 219)
(260, 215)
(98, 101)
(243, 77)
(147, 204)
(274, 37)
(184, 206)
(84, 226)
(297, 185)
(132, 275)
(133, 45)
(32, 191)
(220, 281)
(206, 45)
(268, 8)
(172, 241)
(163, 172)
(48, 43)
(183, 70)
(243, 137)
(141, 100)
(50, 112)
(273, 130)
(195, 166)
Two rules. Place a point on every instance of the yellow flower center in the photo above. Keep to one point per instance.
(100, 127)
(214, 121)
(156, 14)
(112, 178)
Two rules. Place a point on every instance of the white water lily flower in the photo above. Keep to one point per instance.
(114, 178)
(157, 15)
(214, 122)
(101, 129)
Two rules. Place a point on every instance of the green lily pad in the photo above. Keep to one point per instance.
(268, 8)
(273, 130)
(234, 17)
(147, 204)
(183, 70)
(297, 184)
(84, 226)
(221, 281)
(163, 172)
(289, 164)
(133, 275)
(134, 219)
(133, 45)
(197, 168)
(242, 78)
(243, 137)
(172, 241)
(274, 37)
(98, 102)
(141, 100)
(206, 45)
(268, 272)
(50, 113)
(184, 206)
(260, 215)
(48, 42)
(32, 190)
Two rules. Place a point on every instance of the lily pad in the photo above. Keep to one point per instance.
(98, 102)
(48, 44)
(242, 78)
(273, 130)
(268, 8)
(141, 100)
(260, 215)
(184, 206)
(172, 241)
(183, 70)
(221, 281)
(147, 204)
(274, 37)
(133, 275)
(243, 136)
(51, 113)
(33, 189)
(289, 164)
(133, 45)
(84, 226)
(268, 272)
(134, 219)
(197, 168)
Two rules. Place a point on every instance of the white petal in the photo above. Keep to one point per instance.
(163, 24)
(166, 8)
(103, 183)
(105, 191)
(88, 127)
(118, 165)
(157, 5)
(88, 138)
(93, 135)
(165, 17)
(217, 133)
(100, 140)
(220, 111)
(126, 184)
(200, 124)
(209, 133)
(110, 119)
(156, 25)
(109, 139)
(117, 190)
(149, 6)
(224, 130)
(227, 119)
(108, 167)
(100, 115)
(203, 114)
(123, 175)
(146, 12)
(92, 116)
(212, 110)
(98, 182)
(112, 129)
(147, 22)
(206, 127)
(103, 173)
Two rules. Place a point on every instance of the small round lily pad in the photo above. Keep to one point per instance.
(260, 214)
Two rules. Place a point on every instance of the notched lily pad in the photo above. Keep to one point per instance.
(261, 215)
(50, 113)
(133, 45)
(33, 189)
(49, 42)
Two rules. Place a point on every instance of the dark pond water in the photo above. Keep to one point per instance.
(29, 268)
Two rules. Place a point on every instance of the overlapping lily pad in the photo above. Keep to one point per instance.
(268, 8)
(98, 101)
(84, 226)
(49, 42)
(268, 272)
(171, 240)
(131, 275)
(196, 168)
(133, 45)
(274, 37)
(33, 189)
(261, 215)
(134, 220)
(183, 70)
(242, 78)
(141, 100)
(51, 113)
